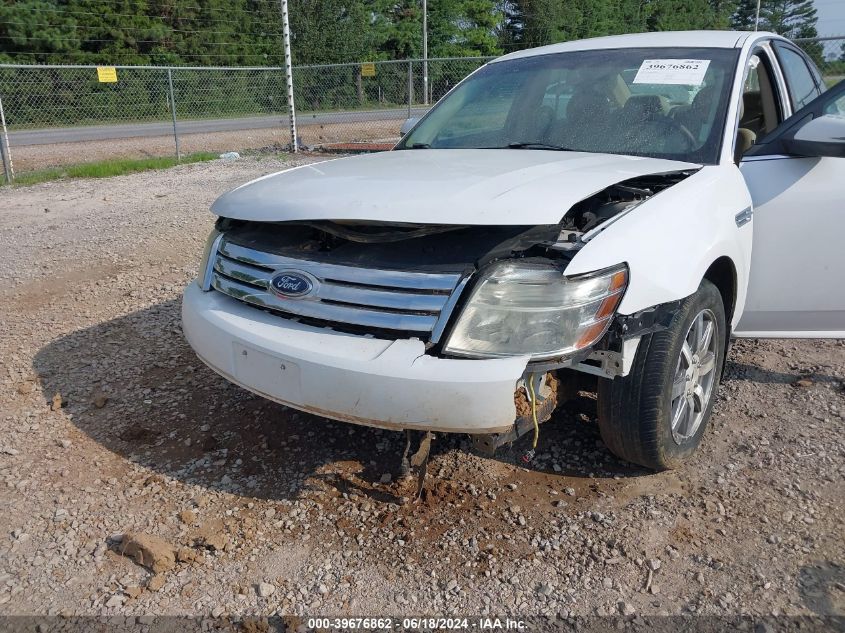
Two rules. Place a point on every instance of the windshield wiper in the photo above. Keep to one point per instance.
(538, 145)
(522, 145)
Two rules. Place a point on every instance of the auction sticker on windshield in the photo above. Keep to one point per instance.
(686, 72)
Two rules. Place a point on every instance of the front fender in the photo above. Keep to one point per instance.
(671, 239)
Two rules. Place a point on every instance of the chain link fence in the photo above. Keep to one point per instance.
(60, 115)
(343, 104)
(829, 55)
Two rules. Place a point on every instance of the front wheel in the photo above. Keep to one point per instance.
(656, 415)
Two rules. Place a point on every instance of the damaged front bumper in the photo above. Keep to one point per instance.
(390, 384)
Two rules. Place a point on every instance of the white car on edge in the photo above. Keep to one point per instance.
(614, 209)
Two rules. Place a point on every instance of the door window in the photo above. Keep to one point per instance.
(760, 111)
(802, 86)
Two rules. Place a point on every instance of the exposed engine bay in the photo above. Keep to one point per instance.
(433, 247)
(623, 196)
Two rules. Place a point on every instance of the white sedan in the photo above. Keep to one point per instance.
(614, 209)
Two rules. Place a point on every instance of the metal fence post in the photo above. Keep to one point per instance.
(410, 86)
(173, 111)
(425, 51)
(289, 75)
(4, 148)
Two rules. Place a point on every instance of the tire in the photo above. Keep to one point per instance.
(640, 418)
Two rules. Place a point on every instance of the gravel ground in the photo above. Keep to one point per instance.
(109, 425)
(33, 157)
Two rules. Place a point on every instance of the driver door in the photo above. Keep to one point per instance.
(796, 177)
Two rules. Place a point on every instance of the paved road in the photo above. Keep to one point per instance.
(129, 130)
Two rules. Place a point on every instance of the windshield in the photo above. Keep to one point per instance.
(659, 102)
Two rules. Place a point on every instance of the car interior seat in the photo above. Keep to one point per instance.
(586, 112)
(639, 108)
(638, 126)
(759, 110)
(540, 123)
(745, 137)
(694, 116)
(751, 117)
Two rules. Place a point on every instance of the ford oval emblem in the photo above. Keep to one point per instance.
(292, 284)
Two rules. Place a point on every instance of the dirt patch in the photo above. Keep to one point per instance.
(33, 157)
(356, 148)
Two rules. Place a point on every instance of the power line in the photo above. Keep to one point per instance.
(136, 28)
(119, 55)
(271, 3)
(268, 33)
(163, 41)
(270, 11)
(75, 12)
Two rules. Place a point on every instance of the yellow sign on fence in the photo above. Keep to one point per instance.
(368, 69)
(107, 74)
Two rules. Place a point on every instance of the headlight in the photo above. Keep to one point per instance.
(207, 261)
(527, 307)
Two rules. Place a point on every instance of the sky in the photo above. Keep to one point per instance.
(831, 17)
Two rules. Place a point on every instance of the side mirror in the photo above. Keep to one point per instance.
(408, 125)
(821, 136)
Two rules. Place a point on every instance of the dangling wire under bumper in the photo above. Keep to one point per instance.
(536, 398)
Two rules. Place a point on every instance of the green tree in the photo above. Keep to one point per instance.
(114, 31)
(398, 26)
(248, 32)
(744, 16)
(538, 22)
(465, 28)
(722, 10)
(32, 31)
(795, 19)
(792, 18)
(679, 15)
(455, 28)
(331, 31)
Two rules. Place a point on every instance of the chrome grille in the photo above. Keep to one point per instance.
(406, 301)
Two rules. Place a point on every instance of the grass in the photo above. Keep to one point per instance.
(107, 168)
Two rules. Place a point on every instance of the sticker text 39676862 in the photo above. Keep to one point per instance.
(686, 72)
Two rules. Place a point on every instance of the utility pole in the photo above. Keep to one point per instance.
(289, 75)
(757, 17)
(425, 52)
(173, 112)
(5, 152)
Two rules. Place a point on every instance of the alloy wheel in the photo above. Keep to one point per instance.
(695, 376)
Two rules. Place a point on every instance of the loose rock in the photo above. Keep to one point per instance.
(150, 551)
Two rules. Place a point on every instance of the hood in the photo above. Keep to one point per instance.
(430, 186)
